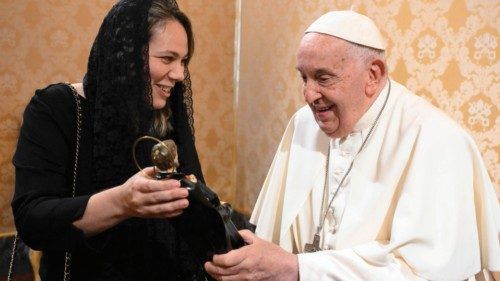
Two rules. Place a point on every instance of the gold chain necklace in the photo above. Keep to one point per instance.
(314, 246)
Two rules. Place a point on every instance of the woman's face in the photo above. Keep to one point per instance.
(168, 49)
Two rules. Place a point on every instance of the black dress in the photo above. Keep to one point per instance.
(136, 249)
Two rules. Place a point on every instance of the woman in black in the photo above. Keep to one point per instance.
(116, 226)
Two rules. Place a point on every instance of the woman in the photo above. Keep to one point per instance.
(115, 228)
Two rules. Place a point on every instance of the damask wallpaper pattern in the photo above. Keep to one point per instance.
(444, 50)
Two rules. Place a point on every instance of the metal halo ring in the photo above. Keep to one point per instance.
(137, 141)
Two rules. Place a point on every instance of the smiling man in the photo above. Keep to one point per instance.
(370, 181)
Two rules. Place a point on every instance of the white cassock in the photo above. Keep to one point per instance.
(417, 204)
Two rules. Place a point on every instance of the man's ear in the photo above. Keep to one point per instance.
(376, 73)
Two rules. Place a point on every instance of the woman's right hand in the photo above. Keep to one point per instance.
(145, 197)
(140, 196)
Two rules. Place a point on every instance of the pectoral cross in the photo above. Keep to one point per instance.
(314, 247)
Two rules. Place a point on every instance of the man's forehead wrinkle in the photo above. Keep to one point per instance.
(322, 54)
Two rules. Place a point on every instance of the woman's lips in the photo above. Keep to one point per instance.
(165, 90)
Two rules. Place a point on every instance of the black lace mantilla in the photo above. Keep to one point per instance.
(118, 87)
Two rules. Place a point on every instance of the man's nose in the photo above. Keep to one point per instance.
(311, 92)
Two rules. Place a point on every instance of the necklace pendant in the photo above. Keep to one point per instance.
(314, 247)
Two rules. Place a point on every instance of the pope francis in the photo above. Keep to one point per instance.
(370, 182)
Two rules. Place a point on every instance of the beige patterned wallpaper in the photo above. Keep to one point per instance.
(212, 76)
(48, 41)
(444, 50)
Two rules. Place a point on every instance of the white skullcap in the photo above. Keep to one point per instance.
(350, 26)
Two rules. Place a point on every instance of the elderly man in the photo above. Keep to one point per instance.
(370, 182)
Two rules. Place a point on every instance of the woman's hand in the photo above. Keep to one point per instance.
(142, 196)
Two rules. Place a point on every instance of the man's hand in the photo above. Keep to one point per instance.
(259, 260)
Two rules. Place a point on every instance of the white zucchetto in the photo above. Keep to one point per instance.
(350, 26)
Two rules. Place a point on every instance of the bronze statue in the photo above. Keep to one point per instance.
(164, 156)
(206, 223)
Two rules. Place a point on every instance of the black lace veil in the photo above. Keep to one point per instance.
(118, 87)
